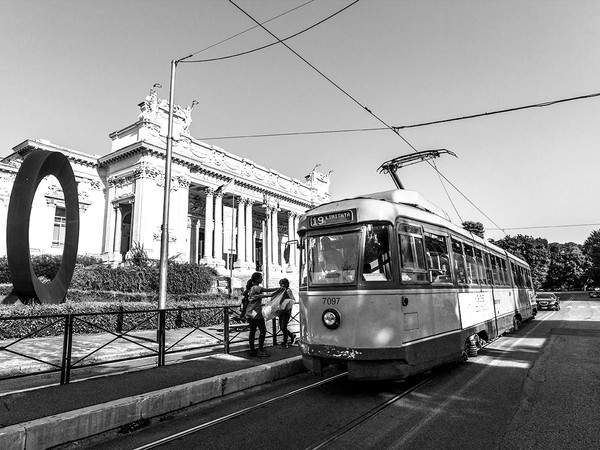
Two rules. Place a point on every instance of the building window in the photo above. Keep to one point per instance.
(60, 227)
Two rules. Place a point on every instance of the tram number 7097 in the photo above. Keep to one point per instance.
(331, 300)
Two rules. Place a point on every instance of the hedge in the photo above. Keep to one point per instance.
(101, 317)
(91, 275)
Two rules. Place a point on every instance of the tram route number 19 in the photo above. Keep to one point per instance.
(331, 300)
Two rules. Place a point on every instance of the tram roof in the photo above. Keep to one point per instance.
(387, 205)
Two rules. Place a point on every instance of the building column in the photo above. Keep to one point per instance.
(274, 235)
(194, 234)
(291, 236)
(218, 242)
(117, 234)
(249, 255)
(241, 235)
(208, 227)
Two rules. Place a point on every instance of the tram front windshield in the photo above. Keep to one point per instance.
(334, 258)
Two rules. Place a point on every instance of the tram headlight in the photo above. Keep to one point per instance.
(331, 318)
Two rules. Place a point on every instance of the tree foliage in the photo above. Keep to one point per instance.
(568, 267)
(534, 251)
(591, 247)
(474, 227)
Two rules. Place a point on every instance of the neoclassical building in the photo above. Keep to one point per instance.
(225, 211)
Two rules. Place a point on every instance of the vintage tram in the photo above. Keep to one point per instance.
(390, 287)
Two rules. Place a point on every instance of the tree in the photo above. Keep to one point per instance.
(534, 251)
(591, 247)
(568, 266)
(474, 227)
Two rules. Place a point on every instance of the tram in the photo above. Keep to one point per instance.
(390, 287)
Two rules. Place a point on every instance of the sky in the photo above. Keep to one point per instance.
(75, 71)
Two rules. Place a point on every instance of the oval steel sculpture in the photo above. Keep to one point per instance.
(26, 285)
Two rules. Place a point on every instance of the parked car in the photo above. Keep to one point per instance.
(547, 300)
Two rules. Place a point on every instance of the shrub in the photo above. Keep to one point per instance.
(4, 270)
(87, 260)
(105, 278)
(45, 266)
(100, 317)
(91, 275)
(189, 278)
(182, 278)
(137, 255)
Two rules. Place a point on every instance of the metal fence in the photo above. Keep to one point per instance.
(63, 343)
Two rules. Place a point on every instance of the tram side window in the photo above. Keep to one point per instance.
(481, 278)
(472, 277)
(377, 256)
(460, 271)
(438, 259)
(504, 272)
(496, 271)
(412, 255)
(528, 278)
(516, 275)
(521, 279)
(489, 271)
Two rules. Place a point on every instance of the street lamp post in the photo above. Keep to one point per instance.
(231, 247)
(164, 234)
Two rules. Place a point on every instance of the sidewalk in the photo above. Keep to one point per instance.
(43, 417)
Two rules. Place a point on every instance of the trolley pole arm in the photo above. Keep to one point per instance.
(393, 165)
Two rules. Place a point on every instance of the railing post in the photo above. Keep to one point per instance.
(226, 329)
(161, 337)
(274, 327)
(65, 368)
(120, 320)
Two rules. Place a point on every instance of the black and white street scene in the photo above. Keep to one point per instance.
(300, 224)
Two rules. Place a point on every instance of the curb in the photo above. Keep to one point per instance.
(82, 423)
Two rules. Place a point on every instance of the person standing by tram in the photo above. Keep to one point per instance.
(254, 313)
(287, 301)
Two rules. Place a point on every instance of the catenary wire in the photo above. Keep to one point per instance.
(539, 227)
(279, 41)
(423, 124)
(248, 29)
(366, 109)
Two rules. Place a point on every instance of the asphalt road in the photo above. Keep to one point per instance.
(537, 388)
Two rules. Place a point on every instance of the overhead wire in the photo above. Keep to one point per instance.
(423, 124)
(539, 227)
(395, 129)
(501, 111)
(364, 107)
(250, 29)
(235, 55)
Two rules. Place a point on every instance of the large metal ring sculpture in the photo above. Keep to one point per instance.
(26, 284)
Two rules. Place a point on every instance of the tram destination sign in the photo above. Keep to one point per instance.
(335, 218)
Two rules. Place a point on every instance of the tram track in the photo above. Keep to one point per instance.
(217, 421)
(343, 430)
(369, 415)
(413, 385)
